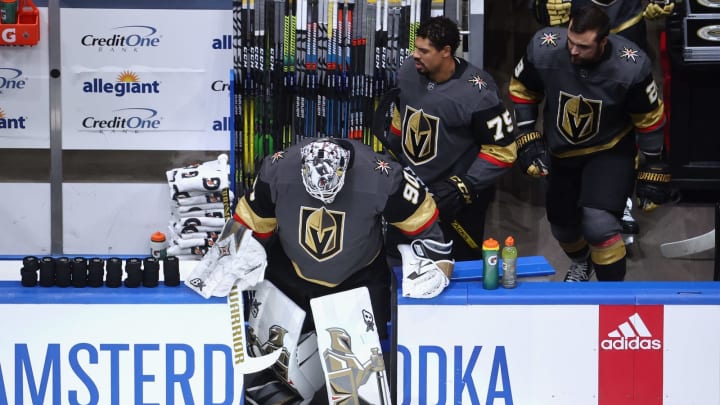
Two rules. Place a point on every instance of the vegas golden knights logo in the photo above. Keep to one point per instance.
(578, 118)
(420, 135)
(321, 232)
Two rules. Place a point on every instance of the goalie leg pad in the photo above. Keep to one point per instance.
(275, 323)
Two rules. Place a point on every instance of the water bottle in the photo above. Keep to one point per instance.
(490, 249)
(158, 245)
(8, 11)
(509, 263)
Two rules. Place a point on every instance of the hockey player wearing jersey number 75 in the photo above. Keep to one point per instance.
(318, 208)
(451, 127)
(599, 93)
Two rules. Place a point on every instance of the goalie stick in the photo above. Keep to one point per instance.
(244, 363)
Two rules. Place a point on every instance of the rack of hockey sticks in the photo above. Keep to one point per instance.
(312, 68)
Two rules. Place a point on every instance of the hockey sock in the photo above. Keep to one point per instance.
(577, 251)
(96, 271)
(134, 272)
(609, 259)
(171, 271)
(114, 272)
(28, 272)
(79, 272)
(47, 272)
(151, 272)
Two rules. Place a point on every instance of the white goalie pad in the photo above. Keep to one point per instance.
(426, 266)
(274, 324)
(236, 258)
(350, 348)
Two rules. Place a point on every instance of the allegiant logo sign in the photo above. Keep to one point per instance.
(125, 119)
(11, 79)
(124, 38)
(8, 122)
(126, 83)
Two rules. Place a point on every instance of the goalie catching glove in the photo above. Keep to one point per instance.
(427, 266)
(532, 155)
(451, 195)
(235, 258)
(653, 185)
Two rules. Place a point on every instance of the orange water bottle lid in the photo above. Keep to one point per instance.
(491, 243)
(157, 237)
(509, 241)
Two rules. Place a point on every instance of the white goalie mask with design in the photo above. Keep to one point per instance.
(324, 164)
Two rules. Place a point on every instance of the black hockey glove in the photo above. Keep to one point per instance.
(532, 155)
(451, 195)
(653, 184)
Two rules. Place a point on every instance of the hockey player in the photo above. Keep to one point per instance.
(627, 18)
(318, 208)
(450, 126)
(599, 93)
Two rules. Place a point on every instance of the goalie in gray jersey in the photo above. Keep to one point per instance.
(451, 127)
(599, 93)
(318, 209)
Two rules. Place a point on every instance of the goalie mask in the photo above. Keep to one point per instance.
(324, 164)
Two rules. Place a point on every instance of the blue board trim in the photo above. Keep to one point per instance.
(594, 293)
(12, 292)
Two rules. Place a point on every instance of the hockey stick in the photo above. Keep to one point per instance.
(697, 246)
(379, 129)
(244, 363)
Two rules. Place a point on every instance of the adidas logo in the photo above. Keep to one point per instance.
(631, 335)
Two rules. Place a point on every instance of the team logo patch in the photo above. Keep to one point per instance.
(630, 55)
(548, 39)
(321, 232)
(382, 167)
(477, 81)
(578, 118)
(277, 156)
(420, 135)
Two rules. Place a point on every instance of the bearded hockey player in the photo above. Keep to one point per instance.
(599, 94)
(318, 209)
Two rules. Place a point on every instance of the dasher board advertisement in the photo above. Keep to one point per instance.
(623, 352)
(146, 78)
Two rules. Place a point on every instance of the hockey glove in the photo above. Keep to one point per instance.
(653, 185)
(451, 195)
(238, 258)
(427, 266)
(532, 155)
(558, 11)
(657, 9)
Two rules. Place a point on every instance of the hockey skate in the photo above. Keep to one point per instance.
(630, 227)
(579, 271)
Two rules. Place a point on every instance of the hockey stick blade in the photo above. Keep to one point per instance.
(244, 363)
(698, 247)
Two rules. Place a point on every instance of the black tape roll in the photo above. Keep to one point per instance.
(28, 272)
(171, 271)
(114, 272)
(63, 270)
(47, 272)
(96, 272)
(151, 272)
(133, 268)
(79, 272)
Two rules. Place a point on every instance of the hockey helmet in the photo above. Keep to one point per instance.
(324, 163)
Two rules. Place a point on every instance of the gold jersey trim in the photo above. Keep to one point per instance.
(627, 24)
(257, 223)
(596, 148)
(422, 215)
(300, 274)
(518, 89)
(648, 119)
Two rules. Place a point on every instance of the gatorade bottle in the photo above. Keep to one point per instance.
(490, 248)
(509, 261)
(158, 245)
